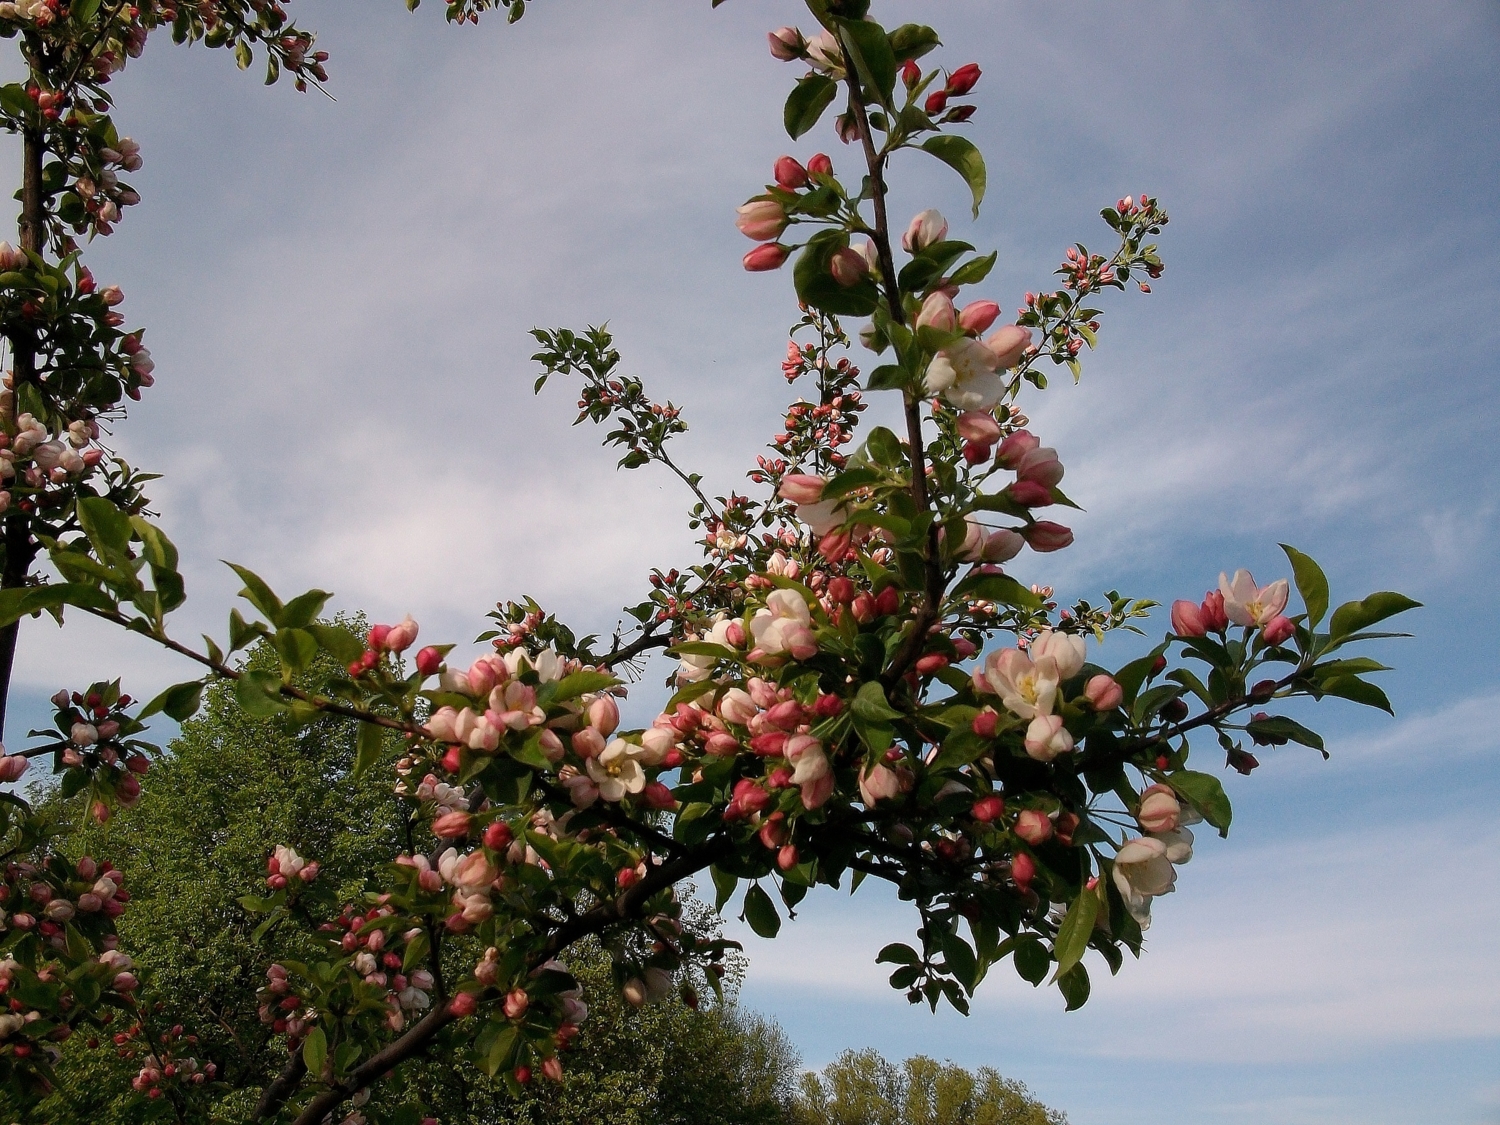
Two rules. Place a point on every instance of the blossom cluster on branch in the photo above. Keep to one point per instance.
(860, 690)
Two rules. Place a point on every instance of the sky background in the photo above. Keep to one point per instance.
(338, 293)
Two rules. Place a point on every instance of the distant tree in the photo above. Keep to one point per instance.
(862, 1088)
(194, 845)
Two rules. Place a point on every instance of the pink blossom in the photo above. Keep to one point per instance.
(761, 219)
(848, 267)
(1015, 447)
(789, 174)
(12, 766)
(1034, 827)
(978, 426)
(1046, 738)
(937, 312)
(1279, 629)
(925, 229)
(1008, 344)
(878, 783)
(767, 256)
(1045, 536)
(1103, 693)
(401, 636)
(1251, 605)
(800, 488)
(786, 43)
(978, 315)
(1159, 810)
(1187, 619)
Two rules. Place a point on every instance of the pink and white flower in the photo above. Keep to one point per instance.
(1245, 603)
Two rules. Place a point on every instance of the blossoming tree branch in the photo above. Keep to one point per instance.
(862, 691)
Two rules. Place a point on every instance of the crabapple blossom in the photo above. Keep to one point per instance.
(926, 228)
(1026, 687)
(761, 220)
(1247, 604)
(1066, 650)
(1142, 871)
(1103, 692)
(1159, 810)
(1046, 738)
(964, 374)
(617, 770)
(784, 626)
(766, 256)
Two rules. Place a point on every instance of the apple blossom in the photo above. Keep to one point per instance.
(1159, 810)
(784, 625)
(878, 783)
(1251, 605)
(1067, 651)
(848, 266)
(401, 636)
(937, 312)
(1141, 872)
(761, 220)
(1046, 536)
(617, 770)
(790, 174)
(1046, 738)
(1008, 345)
(978, 316)
(787, 44)
(1027, 688)
(12, 766)
(925, 229)
(1103, 692)
(767, 256)
(964, 374)
(1187, 619)
(1279, 629)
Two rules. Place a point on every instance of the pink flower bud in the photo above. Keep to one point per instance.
(1044, 536)
(1214, 617)
(1103, 693)
(1278, 629)
(978, 426)
(988, 808)
(761, 219)
(767, 256)
(1015, 448)
(516, 1003)
(401, 636)
(377, 636)
(125, 982)
(1009, 343)
(429, 660)
(1160, 810)
(10, 257)
(1022, 870)
(1046, 738)
(112, 295)
(848, 267)
(552, 1068)
(588, 743)
(1034, 827)
(1187, 619)
(462, 1005)
(978, 315)
(786, 43)
(309, 873)
(936, 102)
(937, 312)
(925, 229)
(820, 165)
(1030, 494)
(735, 635)
(451, 825)
(786, 858)
(1002, 546)
(12, 766)
(789, 174)
(962, 80)
(799, 488)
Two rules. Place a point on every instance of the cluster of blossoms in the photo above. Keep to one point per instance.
(162, 1064)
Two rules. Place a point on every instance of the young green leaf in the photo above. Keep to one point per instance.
(1312, 584)
(960, 155)
(760, 912)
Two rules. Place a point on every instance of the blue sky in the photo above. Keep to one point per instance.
(337, 294)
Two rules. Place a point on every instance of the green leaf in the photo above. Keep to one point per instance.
(337, 641)
(1074, 985)
(898, 953)
(1032, 960)
(1074, 933)
(258, 594)
(180, 701)
(1354, 616)
(886, 377)
(367, 753)
(873, 59)
(974, 270)
(259, 694)
(1278, 726)
(961, 962)
(912, 41)
(296, 647)
(19, 601)
(884, 447)
(960, 155)
(1205, 793)
(302, 610)
(724, 885)
(760, 912)
(850, 480)
(416, 952)
(498, 1057)
(997, 588)
(1358, 691)
(582, 682)
(107, 527)
(870, 705)
(315, 1052)
(806, 103)
(1312, 584)
(156, 547)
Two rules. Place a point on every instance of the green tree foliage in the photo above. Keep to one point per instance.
(862, 1088)
(196, 843)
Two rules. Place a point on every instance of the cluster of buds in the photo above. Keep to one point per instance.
(284, 866)
(392, 640)
(959, 83)
(765, 217)
(1238, 601)
(94, 730)
(45, 899)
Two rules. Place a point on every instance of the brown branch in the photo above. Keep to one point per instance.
(934, 581)
(619, 909)
(274, 1096)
